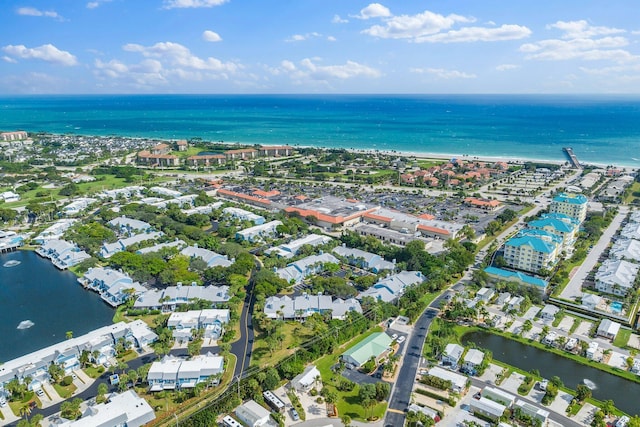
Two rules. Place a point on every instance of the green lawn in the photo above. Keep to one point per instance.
(294, 334)
(635, 188)
(93, 371)
(622, 338)
(65, 392)
(348, 402)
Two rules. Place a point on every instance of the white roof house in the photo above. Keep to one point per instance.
(290, 249)
(591, 301)
(363, 259)
(258, 231)
(616, 277)
(156, 248)
(458, 382)
(297, 271)
(113, 286)
(165, 191)
(473, 359)
(608, 329)
(628, 249)
(78, 205)
(62, 254)
(169, 298)
(129, 224)
(212, 259)
(452, 354)
(305, 305)
(306, 379)
(244, 215)
(176, 373)
(211, 320)
(631, 231)
(487, 407)
(252, 414)
(532, 410)
(498, 395)
(55, 231)
(549, 312)
(121, 409)
(109, 249)
(393, 287)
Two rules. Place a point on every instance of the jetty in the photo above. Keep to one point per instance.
(572, 157)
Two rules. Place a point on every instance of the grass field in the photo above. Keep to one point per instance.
(622, 338)
(294, 334)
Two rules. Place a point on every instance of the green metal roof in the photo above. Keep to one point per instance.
(372, 346)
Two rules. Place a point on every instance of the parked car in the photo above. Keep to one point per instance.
(3, 402)
(401, 339)
(39, 392)
(294, 414)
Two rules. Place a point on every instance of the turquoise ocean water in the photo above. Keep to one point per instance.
(604, 130)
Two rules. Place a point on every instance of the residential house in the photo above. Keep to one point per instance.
(550, 338)
(591, 301)
(107, 250)
(305, 305)
(532, 410)
(207, 160)
(211, 321)
(241, 154)
(113, 286)
(62, 254)
(374, 346)
(297, 271)
(472, 360)
(171, 297)
(129, 226)
(592, 351)
(626, 249)
(487, 408)
(451, 355)
(258, 232)
(500, 274)
(458, 382)
(212, 259)
(498, 395)
(608, 329)
(393, 287)
(548, 313)
(571, 344)
(276, 151)
(244, 215)
(562, 225)
(124, 409)
(178, 244)
(77, 206)
(514, 303)
(362, 259)
(251, 414)
(308, 378)
(289, 250)
(485, 294)
(175, 373)
(55, 231)
(616, 277)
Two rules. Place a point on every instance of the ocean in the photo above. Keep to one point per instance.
(600, 129)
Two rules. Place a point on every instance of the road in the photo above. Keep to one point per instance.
(574, 287)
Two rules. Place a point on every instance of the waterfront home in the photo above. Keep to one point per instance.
(532, 411)
(77, 206)
(451, 355)
(498, 395)
(608, 329)
(616, 277)
(55, 231)
(128, 226)
(550, 338)
(487, 408)
(171, 297)
(244, 215)
(635, 368)
(571, 344)
(174, 373)
(500, 274)
(532, 250)
(289, 250)
(472, 360)
(375, 346)
(458, 382)
(304, 381)
(124, 409)
(362, 259)
(113, 286)
(67, 353)
(573, 205)
(548, 313)
(297, 271)
(258, 232)
(626, 249)
(305, 305)
(591, 301)
(107, 250)
(212, 259)
(393, 287)
(211, 321)
(62, 254)
(251, 414)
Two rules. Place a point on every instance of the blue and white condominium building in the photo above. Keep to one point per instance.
(573, 205)
(67, 354)
(113, 286)
(533, 250)
(173, 373)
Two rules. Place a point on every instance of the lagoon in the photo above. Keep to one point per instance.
(46, 303)
(624, 393)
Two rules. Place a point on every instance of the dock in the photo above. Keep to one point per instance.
(572, 157)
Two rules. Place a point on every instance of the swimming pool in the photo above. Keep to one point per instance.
(616, 307)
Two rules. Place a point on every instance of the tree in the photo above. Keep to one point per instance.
(527, 326)
(582, 392)
(608, 407)
(69, 334)
(346, 420)
(103, 389)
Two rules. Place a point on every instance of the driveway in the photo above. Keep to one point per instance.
(358, 377)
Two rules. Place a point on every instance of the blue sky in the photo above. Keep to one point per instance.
(319, 46)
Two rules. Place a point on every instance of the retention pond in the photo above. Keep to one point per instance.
(624, 393)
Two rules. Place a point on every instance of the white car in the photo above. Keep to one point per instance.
(401, 339)
(394, 336)
(39, 392)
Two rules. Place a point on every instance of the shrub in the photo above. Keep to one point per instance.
(66, 381)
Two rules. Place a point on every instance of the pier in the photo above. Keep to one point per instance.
(572, 157)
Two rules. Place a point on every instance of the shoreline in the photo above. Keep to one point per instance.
(420, 155)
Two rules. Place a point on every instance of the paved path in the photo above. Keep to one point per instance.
(574, 287)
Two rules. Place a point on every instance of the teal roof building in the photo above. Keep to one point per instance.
(375, 345)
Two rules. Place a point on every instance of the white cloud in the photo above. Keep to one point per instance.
(9, 59)
(309, 70)
(415, 26)
(442, 73)
(507, 67)
(96, 4)
(211, 36)
(303, 37)
(144, 75)
(178, 55)
(580, 41)
(180, 4)
(331, 39)
(374, 10)
(478, 34)
(288, 65)
(32, 11)
(46, 52)
(581, 29)
(338, 20)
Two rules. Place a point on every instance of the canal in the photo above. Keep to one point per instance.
(39, 304)
(624, 393)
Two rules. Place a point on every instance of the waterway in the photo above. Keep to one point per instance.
(34, 291)
(624, 393)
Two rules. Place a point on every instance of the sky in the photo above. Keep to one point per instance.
(319, 46)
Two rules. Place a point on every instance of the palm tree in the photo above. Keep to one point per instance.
(69, 334)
